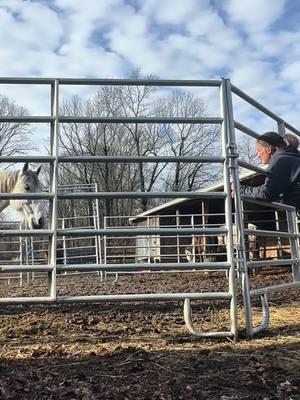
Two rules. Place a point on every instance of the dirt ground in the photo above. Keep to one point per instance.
(143, 350)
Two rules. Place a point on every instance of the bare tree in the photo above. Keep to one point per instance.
(136, 139)
(146, 139)
(246, 149)
(99, 139)
(14, 136)
(188, 139)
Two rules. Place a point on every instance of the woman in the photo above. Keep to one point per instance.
(283, 175)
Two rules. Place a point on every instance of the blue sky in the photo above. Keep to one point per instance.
(255, 43)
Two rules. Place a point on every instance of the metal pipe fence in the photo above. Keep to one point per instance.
(236, 260)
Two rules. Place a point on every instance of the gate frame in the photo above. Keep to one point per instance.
(230, 162)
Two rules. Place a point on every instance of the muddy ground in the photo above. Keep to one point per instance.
(143, 350)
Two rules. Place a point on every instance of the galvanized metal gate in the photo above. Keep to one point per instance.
(234, 265)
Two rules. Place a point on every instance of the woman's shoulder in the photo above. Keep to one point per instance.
(285, 157)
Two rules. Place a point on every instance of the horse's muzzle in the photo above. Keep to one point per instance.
(40, 223)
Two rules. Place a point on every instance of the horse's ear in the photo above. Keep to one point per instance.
(38, 170)
(25, 168)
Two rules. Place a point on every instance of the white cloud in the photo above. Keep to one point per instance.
(258, 79)
(291, 71)
(172, 12)
(254, 15)
(29, 25)
(208, 24)
(191, 39)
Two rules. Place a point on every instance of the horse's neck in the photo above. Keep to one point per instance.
(8, 181)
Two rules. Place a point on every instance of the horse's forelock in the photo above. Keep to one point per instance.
(36, 181)
(17, 181)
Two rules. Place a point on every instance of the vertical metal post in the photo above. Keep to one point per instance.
(226, 151)
(241, 250)
(205, 222)
(177, 237)
(27, 258)
(63, 226)
(95, 238)
(281, 131)
(32, 256)
(281, 128)
(148, 241)
(98, 238)
(21, 255)
(292, 228)
(105, 245)
(193, 239)
(279, 243)
(54, 137)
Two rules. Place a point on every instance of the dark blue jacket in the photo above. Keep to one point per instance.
(282, 182)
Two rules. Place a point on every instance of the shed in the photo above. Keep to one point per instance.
(207, 212)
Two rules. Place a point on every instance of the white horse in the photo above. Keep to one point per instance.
(24, 181)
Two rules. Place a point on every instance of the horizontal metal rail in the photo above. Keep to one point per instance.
(80, 256)
(141, 120)
(26, 268)
(139, 159)
(271, 263)
(25, 232)
(150, 297)
(140, 82)
(83, 247)
(10, 251)
(79, 238)
(14, 159)
(275, 288)
(110, 82)
(141, 195)
(112, 120)
(142, 266)
(141, 231)
(264, 203)
(245, 129)
(111, 237)
(27, 119)
(165, 216)
(111, 195)
(27, 300)
(252, 167)
(26, 81)
(258, 232)
(119, 297)
(90, 233)
(31, 196)
(78, 186)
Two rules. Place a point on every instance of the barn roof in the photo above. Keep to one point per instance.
(247, 177)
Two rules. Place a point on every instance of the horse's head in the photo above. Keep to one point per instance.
(28, 181)
(33, 211)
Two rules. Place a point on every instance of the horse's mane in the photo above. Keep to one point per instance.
(8, 180)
